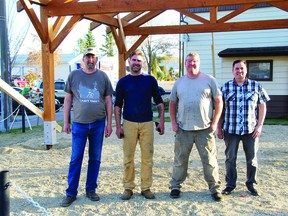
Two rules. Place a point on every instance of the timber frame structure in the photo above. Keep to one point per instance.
(52, 29)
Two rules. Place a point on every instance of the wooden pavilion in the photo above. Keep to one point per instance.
(52, 27)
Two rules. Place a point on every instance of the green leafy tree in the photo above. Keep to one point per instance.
(107, 48)
(88, 41)
(80, 46)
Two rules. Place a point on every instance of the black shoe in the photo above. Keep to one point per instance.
(92, 196)
(67, 201)
(253, 192)
(217, 196)
(127, 194)
(227, 190)
(175, 193)
(148, 194)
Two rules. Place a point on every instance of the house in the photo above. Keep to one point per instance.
(265, 51)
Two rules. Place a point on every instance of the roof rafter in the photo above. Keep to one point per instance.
(56, 8)
(211, 27)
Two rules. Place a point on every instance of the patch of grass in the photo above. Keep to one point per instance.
(278, 121)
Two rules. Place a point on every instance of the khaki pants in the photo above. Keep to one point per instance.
(205, 144)
(144, 132)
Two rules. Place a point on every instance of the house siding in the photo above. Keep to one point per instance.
(202, 43)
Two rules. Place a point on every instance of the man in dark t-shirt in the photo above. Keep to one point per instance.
(134, 93)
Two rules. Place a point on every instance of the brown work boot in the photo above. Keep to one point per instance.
(148, 194)
(127, 194)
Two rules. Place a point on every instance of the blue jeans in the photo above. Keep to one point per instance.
(250, 147)
(95, 134)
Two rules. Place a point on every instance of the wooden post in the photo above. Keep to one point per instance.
(122, 65)
(48, 85)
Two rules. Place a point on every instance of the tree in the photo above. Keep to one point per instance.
(88, 41)
(153, 47)
(108, 47)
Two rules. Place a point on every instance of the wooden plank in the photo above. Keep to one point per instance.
(56, 8)
(121, 35)
(64, 32)
(145, 18)
(103, 19)
(193, 16)
(235, 13)
(281, 5)
(135, 45)
(212, 27)
(20, 98)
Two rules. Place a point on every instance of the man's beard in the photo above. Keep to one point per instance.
(90, 66)
(136, 68)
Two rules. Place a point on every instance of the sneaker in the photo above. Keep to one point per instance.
(148, 194)
(217, 196)
(227, 190)
(253, 192)
(127, 194)
(92, 196)
(67, 201)
(175, 193)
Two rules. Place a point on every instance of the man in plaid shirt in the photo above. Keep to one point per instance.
(243, 116)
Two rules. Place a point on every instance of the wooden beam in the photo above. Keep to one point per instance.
(145, 18)
(122, 65)
(131, 16)
(235, 13)
(56, 27)
(122, 35)
(126, 19)
(39, 2)
(213, 14)
(64, 32)
(213, 27)
(135, 45)
(94, 25)
(35, 21)
(117, 38)
(281, 5)
(48, 71)
(20, 98)
(103, 19)
(193, 16)
(103, 7)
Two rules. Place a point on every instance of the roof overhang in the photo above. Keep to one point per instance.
(254, 51)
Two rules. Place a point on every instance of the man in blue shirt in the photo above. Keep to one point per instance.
(243, 116)
(134, 93)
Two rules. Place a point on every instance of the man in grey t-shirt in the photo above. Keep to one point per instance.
(197, 102)
(89, 90)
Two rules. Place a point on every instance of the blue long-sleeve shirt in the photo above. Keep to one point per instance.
(134, 94)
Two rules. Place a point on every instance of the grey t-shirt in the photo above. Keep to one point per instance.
(89, 91)
(195, 101)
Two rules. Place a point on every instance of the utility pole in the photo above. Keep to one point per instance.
(4, 56)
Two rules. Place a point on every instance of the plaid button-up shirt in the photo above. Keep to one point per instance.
(240, 106)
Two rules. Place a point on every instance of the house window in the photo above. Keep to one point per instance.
(261, 70)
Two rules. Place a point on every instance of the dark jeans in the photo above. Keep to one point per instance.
(80, 132)
(250, 147)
